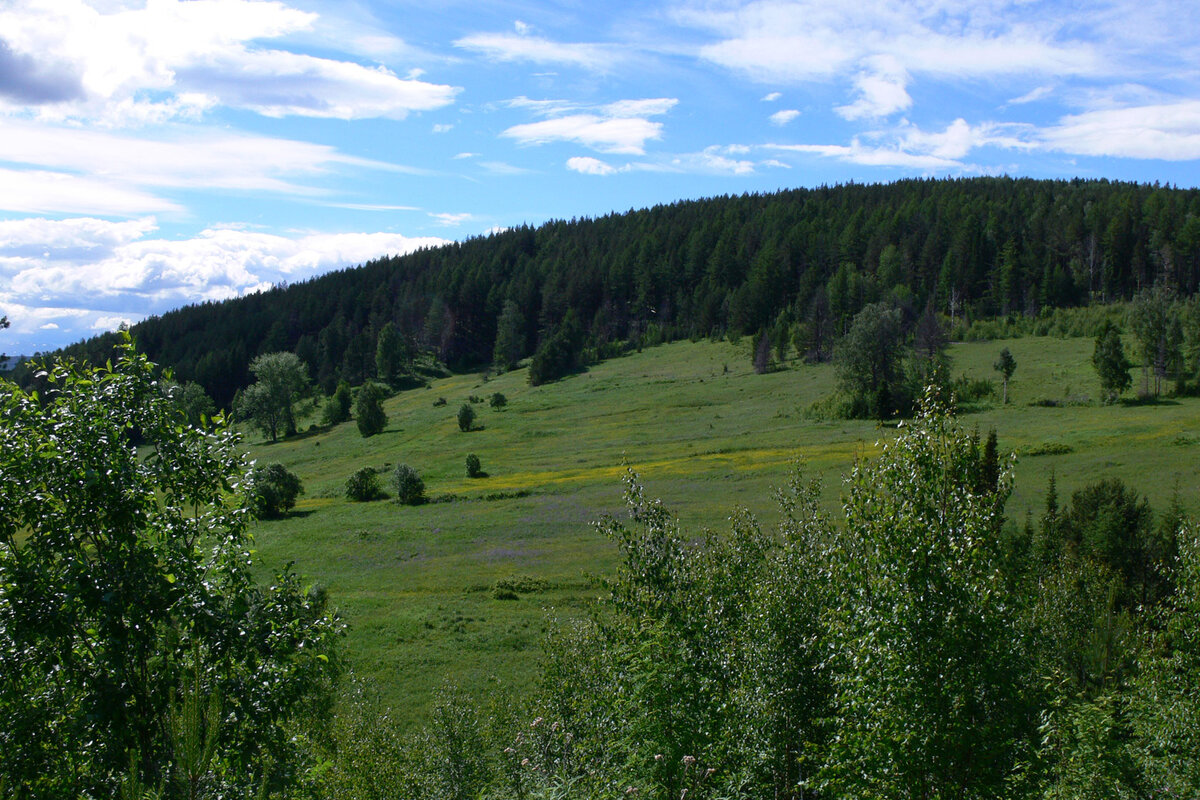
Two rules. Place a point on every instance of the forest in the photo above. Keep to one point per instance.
(580, 290)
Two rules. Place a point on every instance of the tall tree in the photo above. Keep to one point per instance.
(1108, 358)
(392, 353)
(868, 360)
(1006, 365)
(1158, 339)
(270, 402)
(927, 700)
(510, 337)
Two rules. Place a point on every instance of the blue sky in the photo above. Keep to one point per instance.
(155, 153)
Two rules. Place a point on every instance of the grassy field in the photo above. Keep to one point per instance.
(705, 433)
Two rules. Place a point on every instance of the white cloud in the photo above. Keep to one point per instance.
(619, 127)
(1032, 96)
(784, 117)
(503, 168)
(442, 127)
(94, 62)
(523, 47)
(786, 40)
(87, 171)
(590, 166)
(881, 90)
(714, 159)
(93, 268)
(856, 153)
(1170, 132)
(467, 155)
(45, 192)
(451, 220)
(771, 97)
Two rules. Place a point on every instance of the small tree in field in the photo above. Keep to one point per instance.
(368, 409)
(466, 417)
(1006, 365)
(474, 468)
(275, 490)
(337, 408)
(497, 401)
(363, 485)
(1111, 364)
(410, 489)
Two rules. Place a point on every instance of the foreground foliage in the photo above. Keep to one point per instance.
(136, 647)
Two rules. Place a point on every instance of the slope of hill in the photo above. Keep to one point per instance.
(419, 584)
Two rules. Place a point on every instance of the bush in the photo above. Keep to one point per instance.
(363, 485)
(410, 489)
(275, 490)
(466, 417)
(441, 401)
(474, 468)
(497, 401)
(337, 407)
(368, 409)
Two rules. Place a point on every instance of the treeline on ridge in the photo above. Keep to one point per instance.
(580, 290)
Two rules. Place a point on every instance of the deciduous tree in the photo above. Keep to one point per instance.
(127, 596)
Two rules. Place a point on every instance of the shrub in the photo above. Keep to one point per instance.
(474, 468)
(368, 409)
(363, 485)
(337, 408)
(275, 490)
(410, 489)
(441, 401)
(466, 417)
(497, 401)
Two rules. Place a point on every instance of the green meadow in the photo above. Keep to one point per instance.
(705, 433)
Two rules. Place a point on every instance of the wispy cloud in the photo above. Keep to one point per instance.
(620, 127)
(451, 220)
(522, 45)
(79, 170)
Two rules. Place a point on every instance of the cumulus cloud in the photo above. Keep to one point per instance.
(24, 79)
(87, 60)
(619, 127)
(881, 90)
(79, 270)
(784, 117)
(590, 166)
(771, 97)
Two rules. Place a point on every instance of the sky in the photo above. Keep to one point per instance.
(156, 153)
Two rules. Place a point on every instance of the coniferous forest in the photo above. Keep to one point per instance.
(583, 289)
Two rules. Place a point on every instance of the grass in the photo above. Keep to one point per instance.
(418, 585)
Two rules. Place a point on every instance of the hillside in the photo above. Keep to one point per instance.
(740, 264)
(705, 433)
